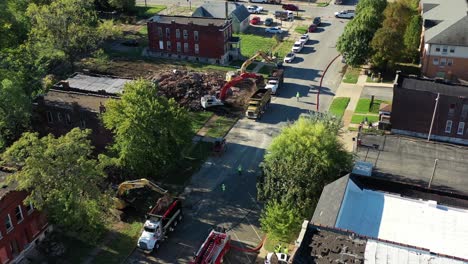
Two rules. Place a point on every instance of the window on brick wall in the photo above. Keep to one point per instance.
(449, 62)
(19, 214)
(50, 117)
(461, 128)
(185, 34)
(68, 119)
(464, 111)
(448, 126)
(452, 49)
(168, 45)
(29, 208)
(179, 47)
(443, 61)
(186, 48)
(197, 48)
(59, 117)
(168, 32)
(160, 32)
(195, 35)
(161, 45)
(451, 110)
(444, 49)
(177, 33)
(437, 49)
(8, 224)
(435, 61)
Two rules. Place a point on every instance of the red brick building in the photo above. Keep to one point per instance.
(22, 225)
(193, 38)
(414, 101)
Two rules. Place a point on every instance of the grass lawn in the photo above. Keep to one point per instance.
(148, 11)
(198, 119)
(338, 106)
(221, 126)
(122, 243)
(271, 243)
(363, 104)
(356, 119)
(284, 48)
(301, 29)
(250, 44)
(351, 75)
(322, 4)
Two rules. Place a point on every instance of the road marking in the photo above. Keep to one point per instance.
(238, 239)
(253, 229)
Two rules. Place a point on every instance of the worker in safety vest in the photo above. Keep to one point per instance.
(239, 169)
(298, 95)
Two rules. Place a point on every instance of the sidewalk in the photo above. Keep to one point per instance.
(353, 91)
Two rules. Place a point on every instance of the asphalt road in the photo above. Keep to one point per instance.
(237, 209)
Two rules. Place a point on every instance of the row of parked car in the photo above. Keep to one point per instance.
(296, 48)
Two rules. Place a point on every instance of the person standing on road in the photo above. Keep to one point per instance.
(239, 170)
(298, 95)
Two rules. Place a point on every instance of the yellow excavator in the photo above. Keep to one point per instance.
(243, 69)
(120, 203)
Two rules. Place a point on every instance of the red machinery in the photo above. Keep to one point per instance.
(213, 249)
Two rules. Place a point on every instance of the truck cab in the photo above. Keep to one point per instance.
(150, 236)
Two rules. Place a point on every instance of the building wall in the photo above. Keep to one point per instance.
(212, 40)
(448, 62)
(412, 112)
(244, 25)
(23, 232)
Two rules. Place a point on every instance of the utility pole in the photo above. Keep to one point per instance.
(433, 117)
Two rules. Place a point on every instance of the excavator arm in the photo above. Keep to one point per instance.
(135, 184)
(228, 85)
(259, 53)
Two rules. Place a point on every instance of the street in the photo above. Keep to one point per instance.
(237, 208)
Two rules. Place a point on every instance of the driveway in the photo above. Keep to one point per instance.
(237, 209)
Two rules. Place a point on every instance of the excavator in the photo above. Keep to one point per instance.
(232, 79)
(125, 186)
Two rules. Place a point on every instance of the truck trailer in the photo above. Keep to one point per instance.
(258, 103)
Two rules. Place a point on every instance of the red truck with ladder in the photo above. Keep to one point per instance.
(214, 248)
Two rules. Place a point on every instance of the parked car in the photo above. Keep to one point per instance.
(255, 20)
(269, 21)
(312, 28)
(275, 30)
(304, 38)
(289, 57)
(317, 21)
(273, 85)
(254, 9)
(284, 15)
(259, 8)
(290, 7)
(338, 2)
(297, 47)
(258, 1)
(345, 14)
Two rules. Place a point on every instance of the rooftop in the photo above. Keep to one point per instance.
(411, 161)
(185, 20)
(218, 10)
(93, 83)
(431, 85)
(68, 100)
(416, 222)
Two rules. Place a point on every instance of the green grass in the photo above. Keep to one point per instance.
(121, 245)
(352, 75)
(284, 48)
(148, 11)
(250, 44)
(322, 4)
(356, 119)
(363, 104)
(301, 29)
(198, 119)
(338, 106)
(221, 126)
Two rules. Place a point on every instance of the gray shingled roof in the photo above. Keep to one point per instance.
(218, 10)
(429, 85)
(329, 205)
(185, 20)
(92, 83)
(452, 26)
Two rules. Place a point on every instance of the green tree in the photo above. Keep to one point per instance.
(149, 130)
(301, 160)
(280, 220)
(15, 112)
(122, 5)
(62, 179)
(66, 29)
(412, 38)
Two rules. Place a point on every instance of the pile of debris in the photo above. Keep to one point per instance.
(187, 87)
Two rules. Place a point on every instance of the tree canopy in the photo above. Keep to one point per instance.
(62, 179)
(149, 130)
(280, 220)
(301, 160)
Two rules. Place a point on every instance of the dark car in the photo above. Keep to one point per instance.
(268, 21)
(312, 28)
(290, 7)
(317, 21)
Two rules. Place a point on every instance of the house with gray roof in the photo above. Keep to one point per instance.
(237, 12)
(445, 39)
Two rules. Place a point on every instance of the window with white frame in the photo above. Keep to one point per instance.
(179, 47)
(461, 128)
(197, 48)
(177, 33)
(452, 49)
(435, 61)
(448, 126)
(444, 49)
(160, 32)
(29, 208)
(168, 45)
(50, 117)
(19, 214)
(443, 61)
(437, 49)
(168, 32)
(195, 35)
(185, 34)
(449, 62)
(8, 224)
(161, 45)
(1, 236)
(186, 49)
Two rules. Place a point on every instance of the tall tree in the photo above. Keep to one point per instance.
(280, 220)
(412, 38)
(15, 112)
(62, 179)
(66, 29)
(301, 160)
(149, 130)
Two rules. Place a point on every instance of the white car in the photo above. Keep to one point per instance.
(275, 30)
(255, 9)
(345, 14)
(282, 258)
(273, 85)
(297, 47)
(258, 1)
(304, 38)
(289, 57)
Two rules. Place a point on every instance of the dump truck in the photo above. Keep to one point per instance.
(161, 219)
(258, 103)
(275, 80)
